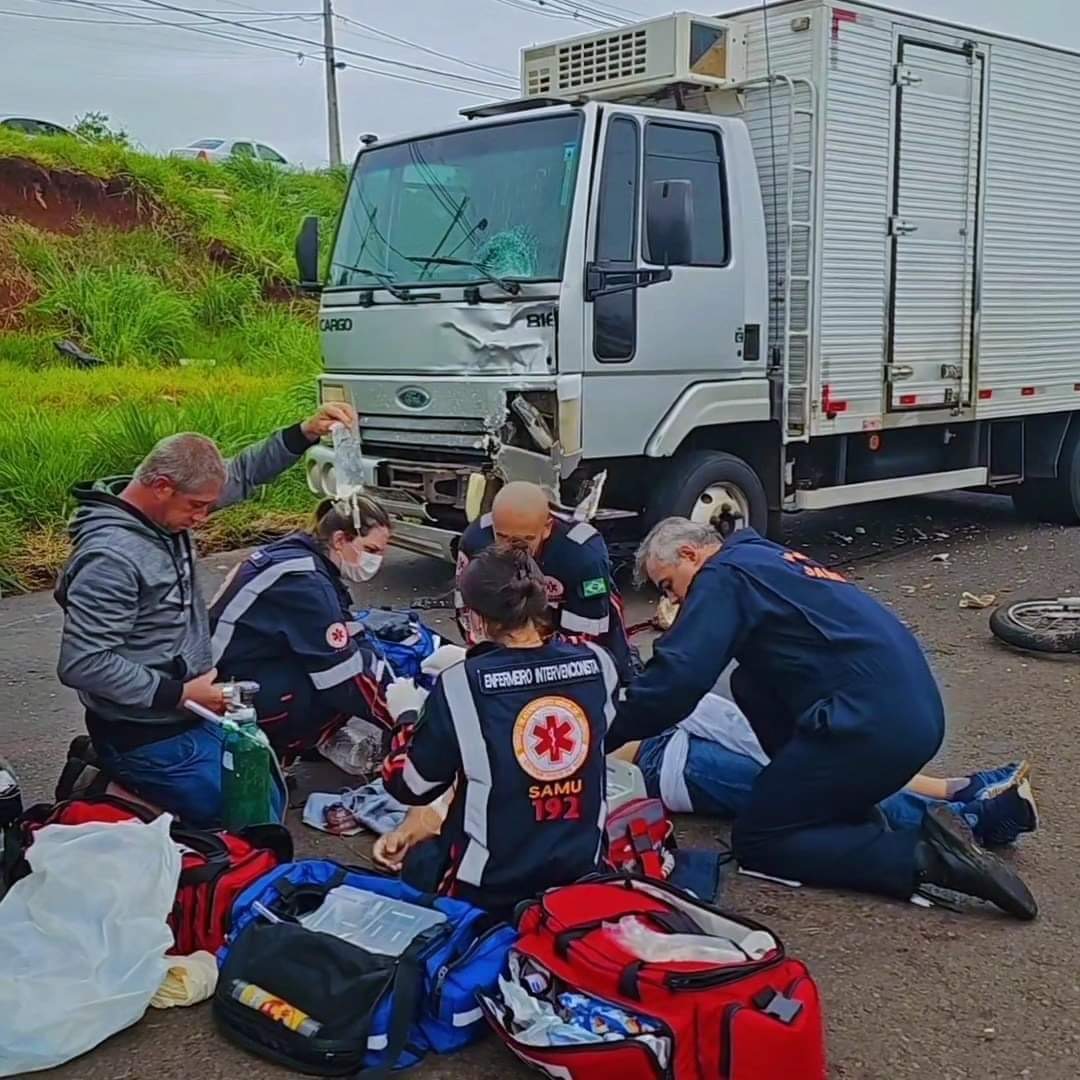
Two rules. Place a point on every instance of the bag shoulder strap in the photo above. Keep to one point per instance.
(408, 986)
(290, 893)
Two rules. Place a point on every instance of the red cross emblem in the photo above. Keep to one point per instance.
(553, 738)
(337, 637)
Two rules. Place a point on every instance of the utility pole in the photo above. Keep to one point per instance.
(333, 121)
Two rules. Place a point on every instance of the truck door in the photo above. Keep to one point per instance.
(678, 332)
(934, 226)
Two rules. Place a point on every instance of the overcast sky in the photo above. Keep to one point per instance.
(169, 86)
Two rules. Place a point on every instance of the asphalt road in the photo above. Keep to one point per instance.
(909, 993)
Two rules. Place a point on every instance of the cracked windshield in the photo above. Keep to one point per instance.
(491, 204)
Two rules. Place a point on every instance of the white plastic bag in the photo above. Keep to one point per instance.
(190, 979)
(355, 748)
(83, 939)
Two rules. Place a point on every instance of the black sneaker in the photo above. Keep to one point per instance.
(948, 857)
(1005, 816)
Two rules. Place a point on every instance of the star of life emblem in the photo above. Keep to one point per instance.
(551, 738)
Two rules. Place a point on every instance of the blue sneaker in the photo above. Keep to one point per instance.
(989, 783)
(1002, 818)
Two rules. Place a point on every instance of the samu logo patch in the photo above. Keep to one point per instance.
(595, 587)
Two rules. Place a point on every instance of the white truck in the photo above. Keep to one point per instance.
(781, 261)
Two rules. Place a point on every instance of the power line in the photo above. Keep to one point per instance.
(294, 53)
(180, 26)
(549, 12)
(386, 35)
(256, 12)
(318, 44)
(523, 5)
(121, 22)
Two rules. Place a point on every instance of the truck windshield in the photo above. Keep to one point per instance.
(461, 207)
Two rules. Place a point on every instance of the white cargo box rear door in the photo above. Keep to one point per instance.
(933, 225)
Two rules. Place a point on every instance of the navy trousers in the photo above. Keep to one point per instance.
(812, 814)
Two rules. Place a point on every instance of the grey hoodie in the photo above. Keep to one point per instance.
(135, 622)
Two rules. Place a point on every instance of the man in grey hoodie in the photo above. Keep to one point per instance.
(136, 638)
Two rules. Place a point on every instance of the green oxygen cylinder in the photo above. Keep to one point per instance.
(248, 762)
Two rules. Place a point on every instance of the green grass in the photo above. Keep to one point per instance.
(45, 451)
(249, 207)
(130, 317)
(177, 309)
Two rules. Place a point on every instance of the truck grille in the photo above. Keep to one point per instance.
(409, 436)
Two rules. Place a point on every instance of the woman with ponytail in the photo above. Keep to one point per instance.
(283, 620)
(517, 730)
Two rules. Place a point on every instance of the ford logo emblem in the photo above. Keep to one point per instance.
(413, 397)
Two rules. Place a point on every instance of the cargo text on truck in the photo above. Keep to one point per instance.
(759, 263)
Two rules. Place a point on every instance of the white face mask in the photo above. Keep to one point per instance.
(364, 569)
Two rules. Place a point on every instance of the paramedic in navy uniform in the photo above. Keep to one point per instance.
(517, 729)
(282, 618)
(583, 601)
(842, 699)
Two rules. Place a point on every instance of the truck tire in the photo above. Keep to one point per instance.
(714, 487)
(1054, 499)
(1050, 626)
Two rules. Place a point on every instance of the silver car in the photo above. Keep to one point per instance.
(28, 125)
(222, 149)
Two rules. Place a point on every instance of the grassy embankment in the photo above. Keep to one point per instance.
(183, 295)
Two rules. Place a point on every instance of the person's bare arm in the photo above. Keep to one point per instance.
(421, 823)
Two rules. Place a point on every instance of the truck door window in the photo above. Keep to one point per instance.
(680, 152)
(615, 315)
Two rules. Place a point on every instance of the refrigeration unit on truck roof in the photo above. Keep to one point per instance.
(643, 58)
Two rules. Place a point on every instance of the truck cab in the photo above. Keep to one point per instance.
(557, 291)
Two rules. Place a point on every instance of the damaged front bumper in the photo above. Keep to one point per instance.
(430, 465)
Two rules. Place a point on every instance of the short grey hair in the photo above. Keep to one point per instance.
(662, 543)
(190, 462)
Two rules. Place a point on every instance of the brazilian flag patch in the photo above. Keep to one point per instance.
(596, 587)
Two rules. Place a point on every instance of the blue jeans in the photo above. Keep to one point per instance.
(182, 775)
(719, 780)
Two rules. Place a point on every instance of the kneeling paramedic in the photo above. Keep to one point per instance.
(583, 601)
(283, 620)
(840, 696)
(517, 728)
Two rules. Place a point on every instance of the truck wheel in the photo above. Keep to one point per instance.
(714, 488)
(1055, 499)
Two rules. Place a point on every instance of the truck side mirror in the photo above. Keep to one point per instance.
(669, 222)
(307, 253)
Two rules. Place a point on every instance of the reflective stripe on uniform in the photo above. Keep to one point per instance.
(347, 669)
(477, 769)
(414, 781)
(578, 624)
(611, 680)
(237, 607)
(581, 532)
(611, 684)
(485, 521)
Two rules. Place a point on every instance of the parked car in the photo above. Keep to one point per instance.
(29, 125)
(222, 149)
